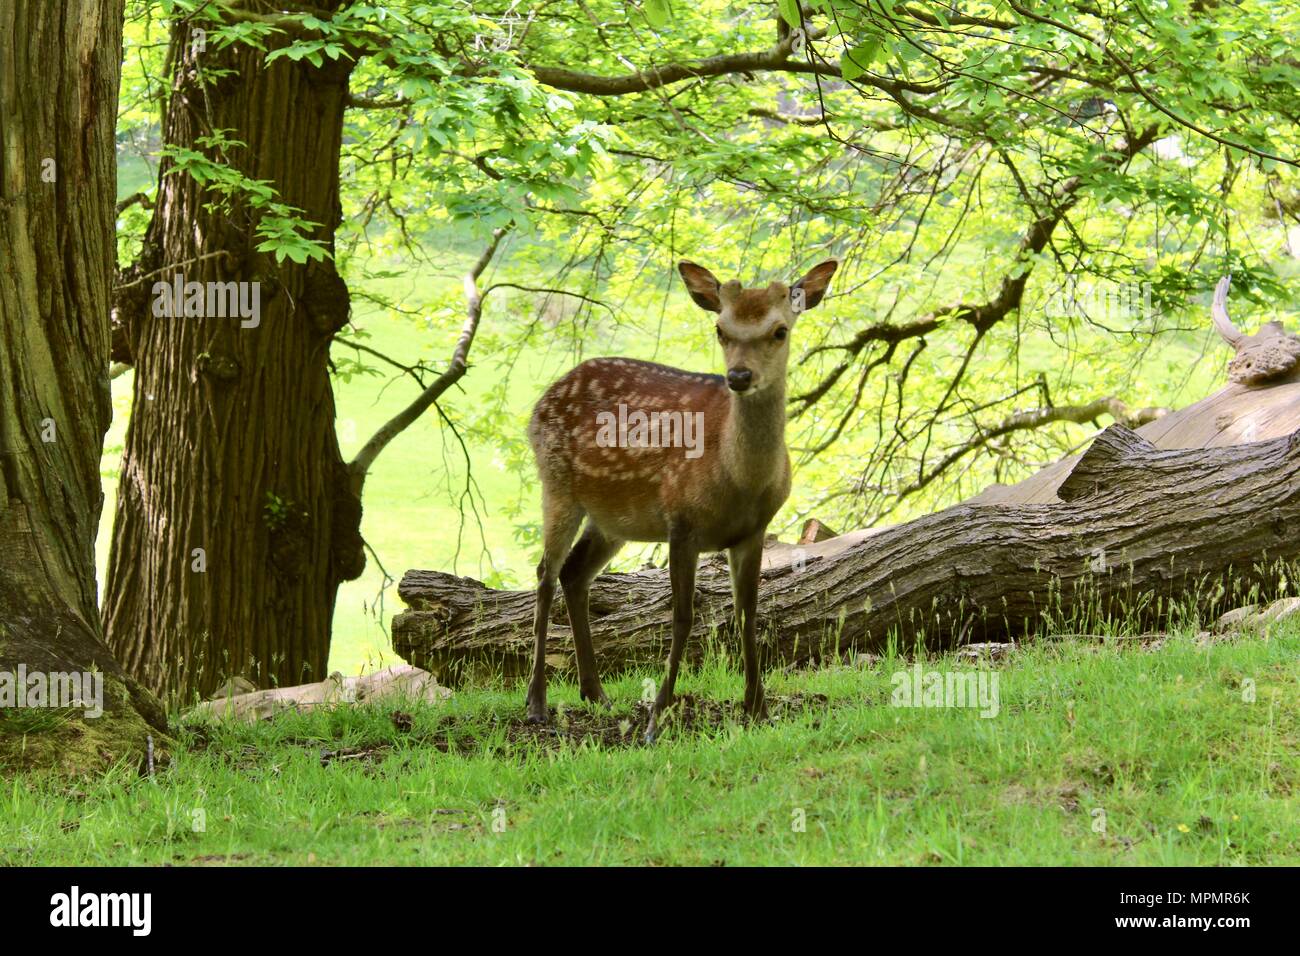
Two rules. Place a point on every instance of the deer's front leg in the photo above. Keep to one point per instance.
(683, 556)
(745, 561)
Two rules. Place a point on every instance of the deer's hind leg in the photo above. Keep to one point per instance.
(561, 518)
(587, 559)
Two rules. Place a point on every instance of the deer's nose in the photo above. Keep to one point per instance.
(739, 379)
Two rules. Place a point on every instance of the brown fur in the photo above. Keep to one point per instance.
(631, 493)
(752, 306)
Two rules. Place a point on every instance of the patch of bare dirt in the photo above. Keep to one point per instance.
(626, 727)
(510, 733)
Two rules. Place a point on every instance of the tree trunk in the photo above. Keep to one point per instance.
(1139, 534)
(236, 518)
(59, 73)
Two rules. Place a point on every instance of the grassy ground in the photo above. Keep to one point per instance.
(1096, 756)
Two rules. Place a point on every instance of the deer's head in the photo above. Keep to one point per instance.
(754, 325)
(1271, 353)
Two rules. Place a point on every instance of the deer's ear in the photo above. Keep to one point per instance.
(813, 286)
(702, 284)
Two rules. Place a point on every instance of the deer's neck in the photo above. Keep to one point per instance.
(753, 439)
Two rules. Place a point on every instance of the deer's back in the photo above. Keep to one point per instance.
(633, 483)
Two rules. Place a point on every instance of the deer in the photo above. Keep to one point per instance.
(714, 484)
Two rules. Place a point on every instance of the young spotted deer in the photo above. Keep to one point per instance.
(645, 452)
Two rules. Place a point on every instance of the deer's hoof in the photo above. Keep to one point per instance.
(598, 696)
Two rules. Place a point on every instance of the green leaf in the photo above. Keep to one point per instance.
(790, 12)
(657, 13)
(859, 59)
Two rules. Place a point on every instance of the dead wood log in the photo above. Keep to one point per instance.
(1261, 401)
(1237, 414)
(1133, 530)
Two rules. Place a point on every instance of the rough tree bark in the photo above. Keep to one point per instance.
(237, 518)
(1136, 532)
(59, 73)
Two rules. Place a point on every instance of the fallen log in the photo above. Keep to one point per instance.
(1237, 414)
(1134, 532)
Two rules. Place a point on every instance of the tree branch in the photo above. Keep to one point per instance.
(1036, 418)
(1108, 51)
(774, 60)
(141, 197)
(360, 466)
(367, 103)
(411, 370)
(982, 316)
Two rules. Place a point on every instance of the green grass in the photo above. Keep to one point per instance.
(1161, 742)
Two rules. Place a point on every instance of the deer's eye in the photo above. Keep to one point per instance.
(780, 334)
